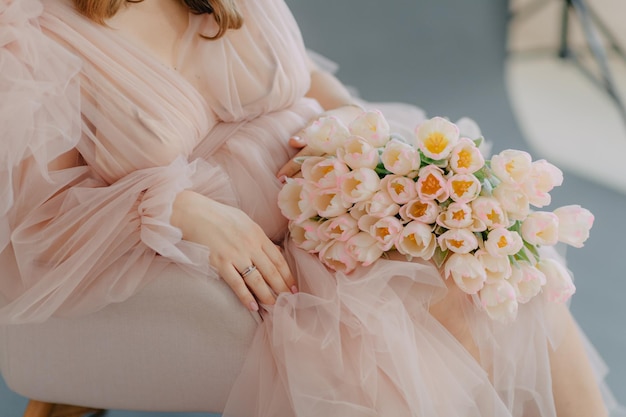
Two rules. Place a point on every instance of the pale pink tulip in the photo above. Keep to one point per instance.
(293, 200)
(364, 248)
(400, 158)
(503, 242)
(324, 172)
(380, 205)
(499, 301)
(575, 223)
(400, 189)
(437, 137)
(468, 128)
(386, 230)
(329, 203)
(458, 241)
(456, 216)
(326, 134)
(371, 126)
(527, 281)
(559, 285)
(463, 187)
(335, 256)
(513, 200)
(358, 210)
(366, 222)
(542, 179)
(417, 240)
(496, 267)
(489, 211)
(359, 185)
(541, 228)
(511, 166)
(432, 184)
(356, 152)
(307, 236)
(339, 228)
(423, 211)
(466, 158)
(308, 164)
(467, 272)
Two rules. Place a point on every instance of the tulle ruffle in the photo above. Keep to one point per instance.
(101, 244)
(366, 344)
(70, 241)
(39, 102)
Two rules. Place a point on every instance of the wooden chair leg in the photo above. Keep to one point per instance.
(38, 409)
(63, 410)
(41, 409)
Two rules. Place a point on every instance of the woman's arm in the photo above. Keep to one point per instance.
(334, 98)
(327, 89)
(575, 388)
(235, 242)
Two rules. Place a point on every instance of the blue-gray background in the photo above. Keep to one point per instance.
(448, 57)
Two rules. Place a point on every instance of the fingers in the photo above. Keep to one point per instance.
(292, 167)
(243, 256)
(271, 277)
(255, 282)
(249, 287)
(287, 283)
(261, 280)
(234, 280)
(297, 142)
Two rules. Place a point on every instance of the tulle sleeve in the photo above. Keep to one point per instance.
(71, 242)
(39, 110)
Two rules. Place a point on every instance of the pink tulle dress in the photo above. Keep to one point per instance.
(74, 240)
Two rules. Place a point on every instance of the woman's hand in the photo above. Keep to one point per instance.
(346, 114)
(246, 259)
(292, 168)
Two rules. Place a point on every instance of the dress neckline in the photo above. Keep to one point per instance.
(172, 73)
(113, 25)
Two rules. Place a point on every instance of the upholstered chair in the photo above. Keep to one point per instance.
(177, 345)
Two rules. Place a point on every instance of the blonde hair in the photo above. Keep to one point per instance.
(225, 12)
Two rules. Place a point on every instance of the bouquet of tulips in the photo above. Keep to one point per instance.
(436, 197)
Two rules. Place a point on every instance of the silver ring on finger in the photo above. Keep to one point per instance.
(248, 271)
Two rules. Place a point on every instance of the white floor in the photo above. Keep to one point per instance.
(565, 117)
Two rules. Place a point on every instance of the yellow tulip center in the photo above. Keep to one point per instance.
(431, 185)
(461, 187)
(418, 209)
(328, 169)
(456, 243)
(502, 242)
(352, 183)
(493, 217)
(355, 147)
(436, 142)
(458, 215)
(382, 232)
(510, 166)
(465, 159)
(398, 188)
